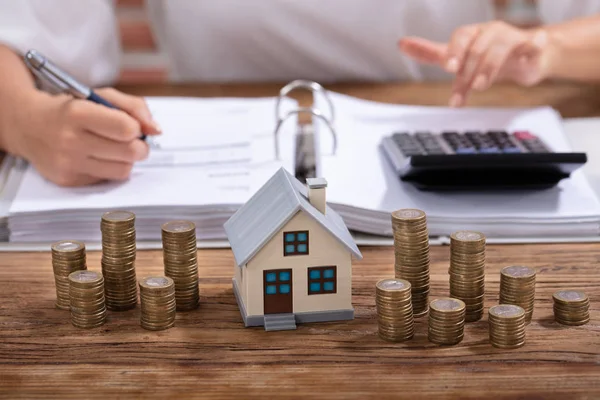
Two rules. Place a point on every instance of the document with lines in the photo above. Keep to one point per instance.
(213, 154)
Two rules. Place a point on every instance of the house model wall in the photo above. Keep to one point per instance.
(296, 265)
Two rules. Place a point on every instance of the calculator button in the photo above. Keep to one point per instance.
(407, 144)
(430, 143)
(531, 142)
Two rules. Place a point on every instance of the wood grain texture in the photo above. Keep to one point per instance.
(210, 354)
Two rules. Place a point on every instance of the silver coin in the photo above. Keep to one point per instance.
(506, 310)
(447, 304)
(178, 226)
(570, 295)
(118, 216)
(468, 235)
(518, 271)
(393, 284)
(85, 276)
(158, 281)
(67, 246)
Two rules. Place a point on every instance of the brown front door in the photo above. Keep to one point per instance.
(277, 290)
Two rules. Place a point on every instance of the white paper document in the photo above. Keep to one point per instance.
(213, 155)
(365, 190)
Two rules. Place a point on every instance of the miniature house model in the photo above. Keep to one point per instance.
(293, 256)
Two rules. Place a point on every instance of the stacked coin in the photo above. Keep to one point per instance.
(67, 256)
(181, 263)
(394, 310)
(467, 271)
(157, 299)
(446, 321)
(86, 292)
(507, 326)
(118, 260)
(411, 250)
(571, 307)
(517, 286)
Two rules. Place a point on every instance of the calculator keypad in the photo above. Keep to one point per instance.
(469, 142)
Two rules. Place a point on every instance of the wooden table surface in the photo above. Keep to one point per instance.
(210, 354)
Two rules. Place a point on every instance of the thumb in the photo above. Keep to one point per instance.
(423, 50)
(134, 106)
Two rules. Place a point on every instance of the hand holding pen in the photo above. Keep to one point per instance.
(88, 135)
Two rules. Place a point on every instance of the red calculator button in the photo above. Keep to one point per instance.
(524, 135)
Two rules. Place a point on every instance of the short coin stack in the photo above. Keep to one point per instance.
(181, 263)
(394, 310)
(467, 271)
(411, 249)
(67, 256)
(517, 286)
(446, 321)
(86, 292)
(571, 307)
(118, 260)
(507, 326)
(157, 299)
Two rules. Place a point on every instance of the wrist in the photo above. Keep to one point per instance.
(553, 54)
(23, 114)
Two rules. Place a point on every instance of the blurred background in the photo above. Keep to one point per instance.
(142, 63)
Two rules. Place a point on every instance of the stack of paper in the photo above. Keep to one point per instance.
(213, 155)
(365, 190)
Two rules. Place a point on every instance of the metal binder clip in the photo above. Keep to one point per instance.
(314, 87)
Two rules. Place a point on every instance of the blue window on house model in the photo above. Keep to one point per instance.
(278, 282)
(295, 243)
(322, 280)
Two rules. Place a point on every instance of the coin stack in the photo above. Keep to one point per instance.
(411, 250)
(467, 271)
(181, 263)
(394, 310)
(118, 260)
(67, 256)
(517, 286)
(86, 292)
(446, 321)
(157, 299)
(507, 326)
(571, 307)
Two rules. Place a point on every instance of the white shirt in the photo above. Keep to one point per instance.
(255, 40)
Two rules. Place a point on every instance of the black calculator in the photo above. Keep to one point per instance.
(475, 160)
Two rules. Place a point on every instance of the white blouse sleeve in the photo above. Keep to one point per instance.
(555, 11)
(79, 36)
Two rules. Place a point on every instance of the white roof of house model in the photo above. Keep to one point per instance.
(271, 207)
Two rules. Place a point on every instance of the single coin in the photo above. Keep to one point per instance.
(568, 296)
(447, 304)
(518, 271)
(178, 226)
(118, 216)
(468, 236)
(67, 246)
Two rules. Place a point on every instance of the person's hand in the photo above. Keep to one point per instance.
(482, 54)
(74, 142)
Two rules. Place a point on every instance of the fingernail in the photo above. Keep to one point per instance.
(455, 100)
(156, 126)
(480, 82)
(452, 65)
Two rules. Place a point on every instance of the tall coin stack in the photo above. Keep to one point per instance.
(394, 310)
(118, 260)
(507, 326)
(67, 256)
(446, 321)
(467, 271)
(411, 250)
(86, 292)
(517, 286)
(571, 307)
(181, 263)
(157, 299)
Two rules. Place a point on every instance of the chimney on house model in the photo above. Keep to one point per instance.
(316, 193)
